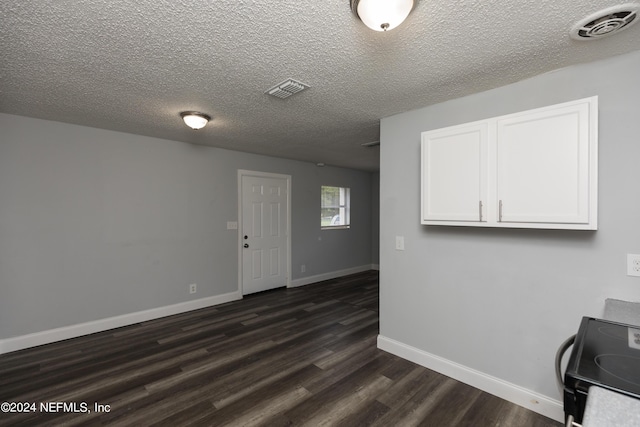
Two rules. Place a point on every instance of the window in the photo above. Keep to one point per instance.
(334, 207)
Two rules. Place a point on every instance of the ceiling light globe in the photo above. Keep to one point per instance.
(194, 119)
(382, 15)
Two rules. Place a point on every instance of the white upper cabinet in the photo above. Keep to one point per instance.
(534, 169)
(455, 156)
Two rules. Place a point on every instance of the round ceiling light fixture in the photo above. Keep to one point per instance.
(195, 120)
(606, 22)
(382, 15)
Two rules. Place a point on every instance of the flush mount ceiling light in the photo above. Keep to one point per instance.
(195, 120)
(382, 15)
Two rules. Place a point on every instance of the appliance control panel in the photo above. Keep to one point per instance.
(634, 338)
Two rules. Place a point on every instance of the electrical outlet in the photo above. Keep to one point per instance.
(633, 265)
(303, 268)
(193, 288)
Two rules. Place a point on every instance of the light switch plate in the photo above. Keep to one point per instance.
(400, 243)
(232, 225)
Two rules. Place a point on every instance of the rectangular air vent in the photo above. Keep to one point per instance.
(287, 88)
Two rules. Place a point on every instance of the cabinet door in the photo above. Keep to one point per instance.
(543, 159)
(454, 177)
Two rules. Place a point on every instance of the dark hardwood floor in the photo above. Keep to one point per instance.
(288, 357)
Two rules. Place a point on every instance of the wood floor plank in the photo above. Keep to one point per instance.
(366, 415)
(419, 404)
(353, 401)
(339, 357)
(293, 379)
(269, 407)
(327, 402)
(405, 387)
(452, 409)
(287, 357)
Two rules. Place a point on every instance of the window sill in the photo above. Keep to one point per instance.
(336, 227)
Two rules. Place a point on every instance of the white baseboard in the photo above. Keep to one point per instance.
(375, 267)
(328, 276)
(536, 402)
(73, 331)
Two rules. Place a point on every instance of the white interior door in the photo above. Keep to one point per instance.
(264, 232)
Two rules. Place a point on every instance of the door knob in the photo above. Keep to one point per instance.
(246, 245)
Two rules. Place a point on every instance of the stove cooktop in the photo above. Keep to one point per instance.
(606, 354)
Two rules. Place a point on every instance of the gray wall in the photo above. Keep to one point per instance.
(501, 301)
(95, 223)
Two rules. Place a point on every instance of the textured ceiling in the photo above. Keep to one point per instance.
(133, 66)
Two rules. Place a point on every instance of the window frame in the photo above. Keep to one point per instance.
(343, 206)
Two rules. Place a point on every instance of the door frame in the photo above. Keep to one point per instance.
(242, 173)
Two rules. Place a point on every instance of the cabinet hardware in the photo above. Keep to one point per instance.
(500, 211)
(480, 208)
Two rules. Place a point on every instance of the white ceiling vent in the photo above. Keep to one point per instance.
(287, 88)
(606, 22)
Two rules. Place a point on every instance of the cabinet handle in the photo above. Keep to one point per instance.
(500, 211)
(480, 208)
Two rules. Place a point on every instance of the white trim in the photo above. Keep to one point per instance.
(330, 275)
(73, 331)
(375, 267)
(287, 178)
(536, 402)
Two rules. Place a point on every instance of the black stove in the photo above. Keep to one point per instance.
(606, 354)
